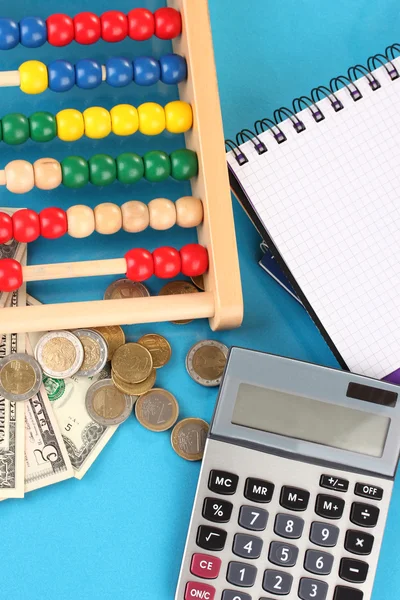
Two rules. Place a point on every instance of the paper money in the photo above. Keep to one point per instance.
(14, 250)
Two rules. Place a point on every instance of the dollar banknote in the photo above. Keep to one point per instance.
(14, 250)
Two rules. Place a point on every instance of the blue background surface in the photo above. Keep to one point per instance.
(119, 533)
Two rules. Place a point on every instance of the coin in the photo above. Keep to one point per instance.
(134, 389)
(158, 347)
(205, 362)
(198, 282)
(132, 363)
(188, 438)
(114, 336)
(106, 405)
(95, 352)
(60, 354)
(20, 377)
(157, 410)
(125, 288)
(179, 287)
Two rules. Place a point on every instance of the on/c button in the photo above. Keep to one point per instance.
(196, 589)
(205, 566)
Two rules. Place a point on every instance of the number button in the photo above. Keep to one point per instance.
(294, 498)
(258, 490)
(329, 507)
(283, 555)
(318, 562)
(358, 542)
(324, 534)
(221, 482)
(364, 515)
(312, 589)
(253, 518)
(247, 546)
(289, 526)
(211, 538)
(234, 595)
(241, 574)
(217, 510)
(277, 582)
(354, 571)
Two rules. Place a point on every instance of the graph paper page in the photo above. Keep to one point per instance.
(329, 197)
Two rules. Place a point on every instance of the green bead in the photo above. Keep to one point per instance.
(43, 126)
(157, 166)
(15, 129)
(130, 167)
(75, 172)
(102, 169)
(1, 131)
(184, 164)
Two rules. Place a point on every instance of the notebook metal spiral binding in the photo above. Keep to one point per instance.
(310, 102)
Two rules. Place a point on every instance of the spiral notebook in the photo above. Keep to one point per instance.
(321, 184)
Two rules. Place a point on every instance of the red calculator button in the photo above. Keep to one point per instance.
(205, 566)
(201, 591)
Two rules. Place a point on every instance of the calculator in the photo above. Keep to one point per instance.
(295, 484)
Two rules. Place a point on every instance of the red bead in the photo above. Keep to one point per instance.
(114, 26)
(6, 228)
(194, 260)
(87, 28)
(139, 264)
(167, 262)
(168, 23)
(141, 24)
(10, 275)
(60, 30)
(53, 223)
(26, 225)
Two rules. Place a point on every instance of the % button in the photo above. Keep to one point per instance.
(218, 511)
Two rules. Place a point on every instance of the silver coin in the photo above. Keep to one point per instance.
(95, 352)
(205, 362)
(125, 288)
(106, 405)
(20, 377)
(60, 354)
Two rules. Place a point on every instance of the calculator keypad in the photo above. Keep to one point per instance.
(211, 538)
(241, 574)
(258, 490)
(312, 589)
(247, 546)
(318, 562)
(324, 534)
(289, 526)
(217, 510)
(253, 518)
(283, 555)
(277, 582)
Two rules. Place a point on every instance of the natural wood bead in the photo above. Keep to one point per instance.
(162, 214)
(80, 221)
(19, 176)
(189, 211)
(108, 218)
(48, 174)
(135, 216)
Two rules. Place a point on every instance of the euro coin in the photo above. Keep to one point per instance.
(125, 288)
(134, 389)
(95, 352)
(179, 287)
(132, 363)
(158, 347)
(20, 377)
(106, 405)
(157, 410)
(205, 362)
(114, 336)
(188, 438)
(60, 354)
(198, 282)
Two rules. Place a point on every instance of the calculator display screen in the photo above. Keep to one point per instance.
(310, 420)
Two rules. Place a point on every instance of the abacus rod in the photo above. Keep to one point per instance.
(10, 79)
(88, 268)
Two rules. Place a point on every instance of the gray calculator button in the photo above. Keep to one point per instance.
(312, 589)
(241, 574)
(235, 595)
(289, 526)
(253, 518)
(247, 546)
(318, 562)
(283, 555)
(324, 534)
(277, 582)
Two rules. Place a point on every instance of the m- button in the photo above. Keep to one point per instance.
(258, 490)
(222, 482)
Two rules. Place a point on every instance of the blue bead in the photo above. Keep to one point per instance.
(9, 34)
(61, 76)
(33, 32)
(173, 69)
(146, 70)
(119, 72)
(88, 74)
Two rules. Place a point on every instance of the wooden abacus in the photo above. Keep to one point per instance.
(221, 302)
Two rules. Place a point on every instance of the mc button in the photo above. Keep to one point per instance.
(258, 490)
(221, 482)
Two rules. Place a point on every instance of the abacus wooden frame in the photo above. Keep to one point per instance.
(221, 302)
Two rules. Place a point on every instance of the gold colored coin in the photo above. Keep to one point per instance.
(158, 347)
(59, 354)
(179, 287)
(188, 438)
(157, 410)
(114, 336)
(17, 377)
(134, 389)
(132, 363)
(209, 362)
(198, 282)
(108, 403)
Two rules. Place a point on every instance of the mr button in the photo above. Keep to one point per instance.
(222, 482)
(258, 490)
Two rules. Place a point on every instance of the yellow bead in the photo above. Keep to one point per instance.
(151, 118)
(34, 77)
(178, 116)
(97, 122)
(70, 125)
(124, 119)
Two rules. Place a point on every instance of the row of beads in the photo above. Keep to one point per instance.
(74, 172)
(87, 28)
(81, 221)
(97, 122)
(61, 75)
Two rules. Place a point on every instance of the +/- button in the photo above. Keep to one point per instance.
(368, 491)
(205, 566)
(331, 482)
(196, 589)
(221, 482)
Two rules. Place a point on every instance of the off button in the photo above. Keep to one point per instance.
(368, 491)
